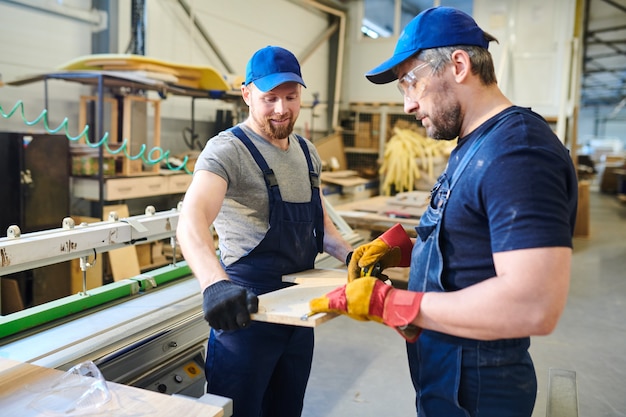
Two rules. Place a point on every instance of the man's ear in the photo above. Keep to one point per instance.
(245, 94)
(461, 65)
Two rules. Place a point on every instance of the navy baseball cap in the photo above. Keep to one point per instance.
(433, 28)
(272, 66)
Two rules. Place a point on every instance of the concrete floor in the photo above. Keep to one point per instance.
(359, 369)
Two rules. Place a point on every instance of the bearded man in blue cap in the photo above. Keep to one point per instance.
(490, 266)
(258, 184)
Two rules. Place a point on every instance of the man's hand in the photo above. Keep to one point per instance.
(369, 298)
(392, 248)
(227, 306)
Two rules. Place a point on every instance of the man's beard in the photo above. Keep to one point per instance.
(277, 132)
(446, 124)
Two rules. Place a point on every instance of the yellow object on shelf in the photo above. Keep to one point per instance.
(201, 77)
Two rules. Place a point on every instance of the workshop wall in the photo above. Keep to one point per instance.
(34, 41)
(532, 57)
(591, 126)
(237, 28)
(40, 39)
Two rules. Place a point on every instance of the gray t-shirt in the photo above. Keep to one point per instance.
(243, 219)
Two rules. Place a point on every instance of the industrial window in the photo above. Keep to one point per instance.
(380, 19)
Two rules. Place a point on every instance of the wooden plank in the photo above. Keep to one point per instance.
(406, 205)
(418, 199)
(290, 305)
(377, 215)
(371, 205)
(26, 391)
(343, 178)
(318, 276)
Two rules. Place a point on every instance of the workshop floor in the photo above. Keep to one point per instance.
(359, 369)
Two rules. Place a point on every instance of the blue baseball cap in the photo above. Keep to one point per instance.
(433, 28)
(272, 66)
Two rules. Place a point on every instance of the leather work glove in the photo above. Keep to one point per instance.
(227, 306)
(369, 298)
(392, 248)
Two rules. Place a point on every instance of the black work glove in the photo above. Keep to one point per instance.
(227, 306)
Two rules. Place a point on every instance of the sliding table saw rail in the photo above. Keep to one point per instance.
(32, 250)
(20, 252)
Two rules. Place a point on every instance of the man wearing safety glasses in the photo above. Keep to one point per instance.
(490, 266)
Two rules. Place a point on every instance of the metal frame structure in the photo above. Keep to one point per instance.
(604, 50)
(127, 84)
(33, 250)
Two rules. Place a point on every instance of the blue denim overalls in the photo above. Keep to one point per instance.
(267, 366)
(453, 376)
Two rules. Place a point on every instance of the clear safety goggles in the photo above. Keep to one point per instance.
(411, 82)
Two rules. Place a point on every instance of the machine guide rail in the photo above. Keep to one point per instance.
(32, 250)
(44, 313)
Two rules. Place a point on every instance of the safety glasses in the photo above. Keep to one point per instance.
(411, 82)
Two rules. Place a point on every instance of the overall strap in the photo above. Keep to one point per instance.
(315, 179)
(318, 220)
(270, 178)
(474, 148)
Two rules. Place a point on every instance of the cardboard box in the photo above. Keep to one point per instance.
(150, 255)
(158, 257)
(144, 255)
(363, 137)
(11, 297)
(331, 151)
(375, 134)
(84, 165)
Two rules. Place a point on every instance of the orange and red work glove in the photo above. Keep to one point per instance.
(392, 248)
(369, 298)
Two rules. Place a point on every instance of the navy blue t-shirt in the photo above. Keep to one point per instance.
(519, 191)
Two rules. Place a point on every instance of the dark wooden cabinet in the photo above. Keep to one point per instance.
(34, 195)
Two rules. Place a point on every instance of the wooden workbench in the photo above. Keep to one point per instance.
(377, 214)
(23, 390)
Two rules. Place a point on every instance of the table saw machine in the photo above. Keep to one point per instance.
(146, 331)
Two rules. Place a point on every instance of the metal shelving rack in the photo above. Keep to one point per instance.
(130, 83)
(367, 128)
